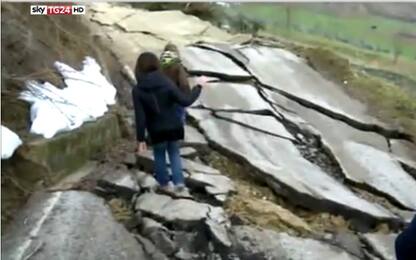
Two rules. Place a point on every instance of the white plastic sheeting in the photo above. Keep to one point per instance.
(85, 98)
(9, 142)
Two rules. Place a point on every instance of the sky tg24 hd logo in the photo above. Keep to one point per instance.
(57, 9)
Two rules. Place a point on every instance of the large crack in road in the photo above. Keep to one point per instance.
(231, 54)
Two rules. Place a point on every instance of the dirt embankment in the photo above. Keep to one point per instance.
(30, 46)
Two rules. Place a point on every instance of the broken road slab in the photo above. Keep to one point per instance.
(363, 156)
(383, 244)
(211, 63)
(111, 15)
(264, 124)
(224, 95)
(405, 152)
(285, 170)
(226, 49)
(146, 181)
(122, 177)
(193, 137)
(178, 211)
(182, 28)
(214, 184)
(68, 225)
(188, 151)
(285, 71)
(252, 243)
(383, 173)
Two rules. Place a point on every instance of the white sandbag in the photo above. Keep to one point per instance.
(91, 67)
(90, 78)
(50, 118)
(81, 96)
(9, 142)
(51, 112)
(84, 99)
(47, 120)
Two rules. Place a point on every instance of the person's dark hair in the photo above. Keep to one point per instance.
(178, 75)
(146, 62)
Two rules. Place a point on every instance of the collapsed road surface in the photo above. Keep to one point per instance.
(281, 164)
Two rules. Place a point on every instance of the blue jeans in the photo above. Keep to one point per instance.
(161, 169)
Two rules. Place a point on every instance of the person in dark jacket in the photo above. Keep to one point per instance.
(156, 99)
(405, 244)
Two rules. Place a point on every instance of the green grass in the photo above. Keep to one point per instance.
(354, 30)
(387, 101)
(358, 56)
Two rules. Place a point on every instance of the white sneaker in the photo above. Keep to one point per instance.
(180, 187)
(182, 191)
(169, 188)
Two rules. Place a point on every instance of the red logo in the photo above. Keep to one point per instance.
(57, 9)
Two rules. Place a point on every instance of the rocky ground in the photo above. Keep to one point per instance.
(281, 164)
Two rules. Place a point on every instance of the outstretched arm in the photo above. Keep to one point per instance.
(185, 99)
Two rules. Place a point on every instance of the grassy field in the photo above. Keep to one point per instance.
(366, 40)
(358, 56)
(378, 34)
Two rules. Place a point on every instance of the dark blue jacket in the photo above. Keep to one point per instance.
(405, 244)
(182, 113)
(156, 100)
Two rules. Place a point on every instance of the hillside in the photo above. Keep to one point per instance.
(285, 157)
(399, 11)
